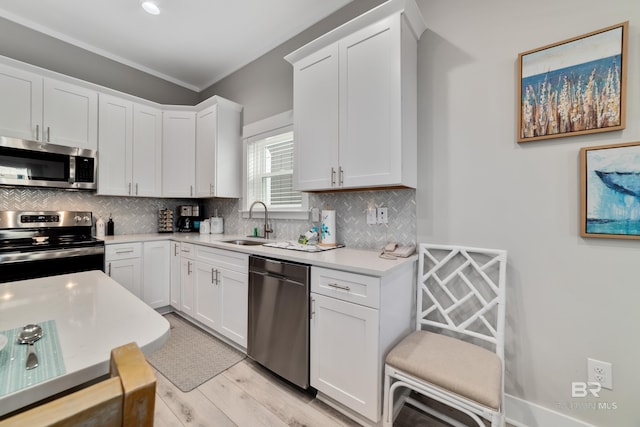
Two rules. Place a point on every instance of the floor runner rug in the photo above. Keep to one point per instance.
(191, 356)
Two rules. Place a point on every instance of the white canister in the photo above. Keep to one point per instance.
(217, 226)
(204, 226)
(328, 228)
(99, 228)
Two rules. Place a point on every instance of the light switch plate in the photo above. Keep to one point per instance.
(371, 216)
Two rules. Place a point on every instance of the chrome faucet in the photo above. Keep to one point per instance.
(267, 229)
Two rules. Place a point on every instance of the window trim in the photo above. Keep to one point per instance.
(273, 125)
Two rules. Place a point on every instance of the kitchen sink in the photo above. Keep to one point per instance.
(244, 242)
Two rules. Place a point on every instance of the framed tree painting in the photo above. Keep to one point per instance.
(574, 87)
(610, 191)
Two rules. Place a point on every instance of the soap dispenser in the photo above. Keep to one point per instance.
(110, 226)
(99, 228)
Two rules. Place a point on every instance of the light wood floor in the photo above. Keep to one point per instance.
(248, 395)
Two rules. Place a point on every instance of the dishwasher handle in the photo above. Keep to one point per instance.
(278, 277)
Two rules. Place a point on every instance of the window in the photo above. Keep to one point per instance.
(269, 166)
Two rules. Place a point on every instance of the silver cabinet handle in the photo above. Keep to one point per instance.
(48, 134)
(188, 268)
(211, 189)
(109, 273)
(333, 177)
(313, 308)
(213, 280)
(191, 190)
(124, 251)
(37, 132)
(341, 177)
(337, 286)
(129, 188)
(217, 277)
(136, 188)
(175, 249)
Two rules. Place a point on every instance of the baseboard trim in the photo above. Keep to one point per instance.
(521, 413)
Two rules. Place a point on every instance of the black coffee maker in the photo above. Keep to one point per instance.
(187, 214)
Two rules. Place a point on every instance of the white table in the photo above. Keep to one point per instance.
(93, 315)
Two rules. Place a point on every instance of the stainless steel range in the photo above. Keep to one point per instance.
(47, 243)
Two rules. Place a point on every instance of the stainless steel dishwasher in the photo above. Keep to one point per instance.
(279, 318)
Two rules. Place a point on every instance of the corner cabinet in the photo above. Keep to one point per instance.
(218, 162)
(355, 320)
(355, 102)
(156, 273)
(178, 153)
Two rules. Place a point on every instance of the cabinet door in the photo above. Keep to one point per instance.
(206, 294)
(344, 354)
(128, 273)
(186, 285)
(206, 136)
(70, 115)
(147, 151)
(156, 273)
(178, 153)
(370, 105)
(174, 293)
(315, 102)
(115, 140)
(20, 104)
(234, 298)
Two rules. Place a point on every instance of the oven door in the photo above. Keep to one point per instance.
(51, 262)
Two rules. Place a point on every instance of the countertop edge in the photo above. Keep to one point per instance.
(361, 261)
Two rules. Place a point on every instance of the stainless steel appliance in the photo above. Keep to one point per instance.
(47, 243)
(40, 164)
(279, 318)
(187, 215)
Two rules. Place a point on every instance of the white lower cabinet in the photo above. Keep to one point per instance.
(186, 279)
(141, 267)
(355, 321)
(214, 289)
(174, 286)
(156, 272)
(123, 263)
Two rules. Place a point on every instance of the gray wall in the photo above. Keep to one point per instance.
(569, 297)
(265, 85)
(38, 49)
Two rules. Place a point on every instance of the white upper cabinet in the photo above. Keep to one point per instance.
(147, 151)
(218, 167)
(20, 103)
(115, 141)
(43, 109)
(178, 153)
(70, 115)
(315, 128)
(130, 154)
(355, 102)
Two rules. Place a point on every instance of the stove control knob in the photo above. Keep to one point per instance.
(77, 218)
(86, 219)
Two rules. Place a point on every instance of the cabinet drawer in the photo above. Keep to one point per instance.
(235, 261)
(187, 250)
(122, 251)
(351, 287)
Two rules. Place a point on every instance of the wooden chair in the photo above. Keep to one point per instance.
(456, 356)
(125, 399)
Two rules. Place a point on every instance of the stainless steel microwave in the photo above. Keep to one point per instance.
(40, 164)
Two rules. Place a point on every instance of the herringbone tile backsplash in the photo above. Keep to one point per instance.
(133, 215)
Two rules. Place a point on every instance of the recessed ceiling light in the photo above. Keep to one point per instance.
(150, 7)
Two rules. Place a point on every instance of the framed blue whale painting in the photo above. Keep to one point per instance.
(610, 191)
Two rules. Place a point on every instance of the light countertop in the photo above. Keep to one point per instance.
(93, 315)
(346, 259)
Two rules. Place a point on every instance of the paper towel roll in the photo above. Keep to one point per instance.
(328, 229)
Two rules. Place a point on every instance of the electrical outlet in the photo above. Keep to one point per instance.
(600, 372)
(371, 216)
(383, 216)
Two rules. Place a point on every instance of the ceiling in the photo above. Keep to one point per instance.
(192, 43)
